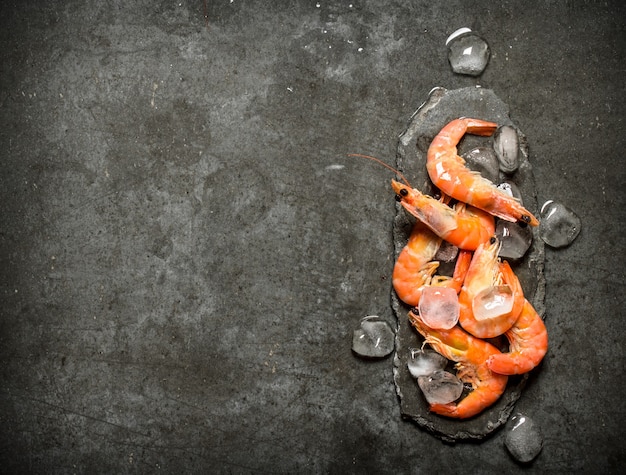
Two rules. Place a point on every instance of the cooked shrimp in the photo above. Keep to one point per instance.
(448, 172)
(415, 268)
(463, 226)
(470, 355)
(485, 271)
(528, 344)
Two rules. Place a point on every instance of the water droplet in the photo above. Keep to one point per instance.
(515, 239)
(492, 302)
(559, 224)
(523, 438)
(374, 338)
(439, 307)
(468, 53)
(484, 161)
(440, 387)
(506, 146)
(425, 362)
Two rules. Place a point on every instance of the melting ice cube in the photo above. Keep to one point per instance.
(523, 438)
(515, 239)
(559, 224)
(484, 161)
(439, 307)
(440, 387)
(506, 145)
(425, 362)
(468, 53)
(374, 338)
(492, 302)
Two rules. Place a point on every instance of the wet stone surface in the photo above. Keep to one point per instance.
(440, 108)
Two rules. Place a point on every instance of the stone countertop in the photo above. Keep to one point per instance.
(186, 247)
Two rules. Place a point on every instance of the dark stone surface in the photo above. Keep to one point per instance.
(186, 249)
(440, 108)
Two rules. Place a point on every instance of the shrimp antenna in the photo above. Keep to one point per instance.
(386, 165)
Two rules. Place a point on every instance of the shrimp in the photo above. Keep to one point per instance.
(485, 271)
(463, 226)
(528, 344)
(470, 355)
(415, 268)
(448, 172)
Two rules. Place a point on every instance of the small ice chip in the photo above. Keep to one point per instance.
(374, 338)
(439, 307)
(506, 146)
(425, 362)
(468, 53)
(440, 387)
(523, 438)
(515, 239)
(559, 224)
(511, 189)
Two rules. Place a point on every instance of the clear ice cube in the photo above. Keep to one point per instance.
(523, 438)
(468, 53)
(506, 146)
(492, 302)
(559, 224)
(440, 387)
(374, 338)
(515, 239)
(439, 307)
(484, 161)
(425, 362)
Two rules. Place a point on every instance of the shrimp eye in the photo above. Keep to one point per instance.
(415, 310)
(398, 199)
(404, 192)
(526, 218)
(492, 240)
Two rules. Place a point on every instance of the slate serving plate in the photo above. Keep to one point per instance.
(441, 107)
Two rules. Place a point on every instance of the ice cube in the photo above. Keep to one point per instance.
(439, 307)
(506, 146)
(374, 338)
(511, 189)
(468, 53)
(515, 238)
(523, 438)
(559, 224)
(484, 161)
(440, 387)
(425, 362)
(492, 302)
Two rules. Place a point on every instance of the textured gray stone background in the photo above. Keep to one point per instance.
(186, 249)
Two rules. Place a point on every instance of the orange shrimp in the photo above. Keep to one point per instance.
(463, 226)
(528, 344)
(485, 271)
(448, 172)
(470, 355)
(415, 268)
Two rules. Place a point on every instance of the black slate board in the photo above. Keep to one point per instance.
(441, 107)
